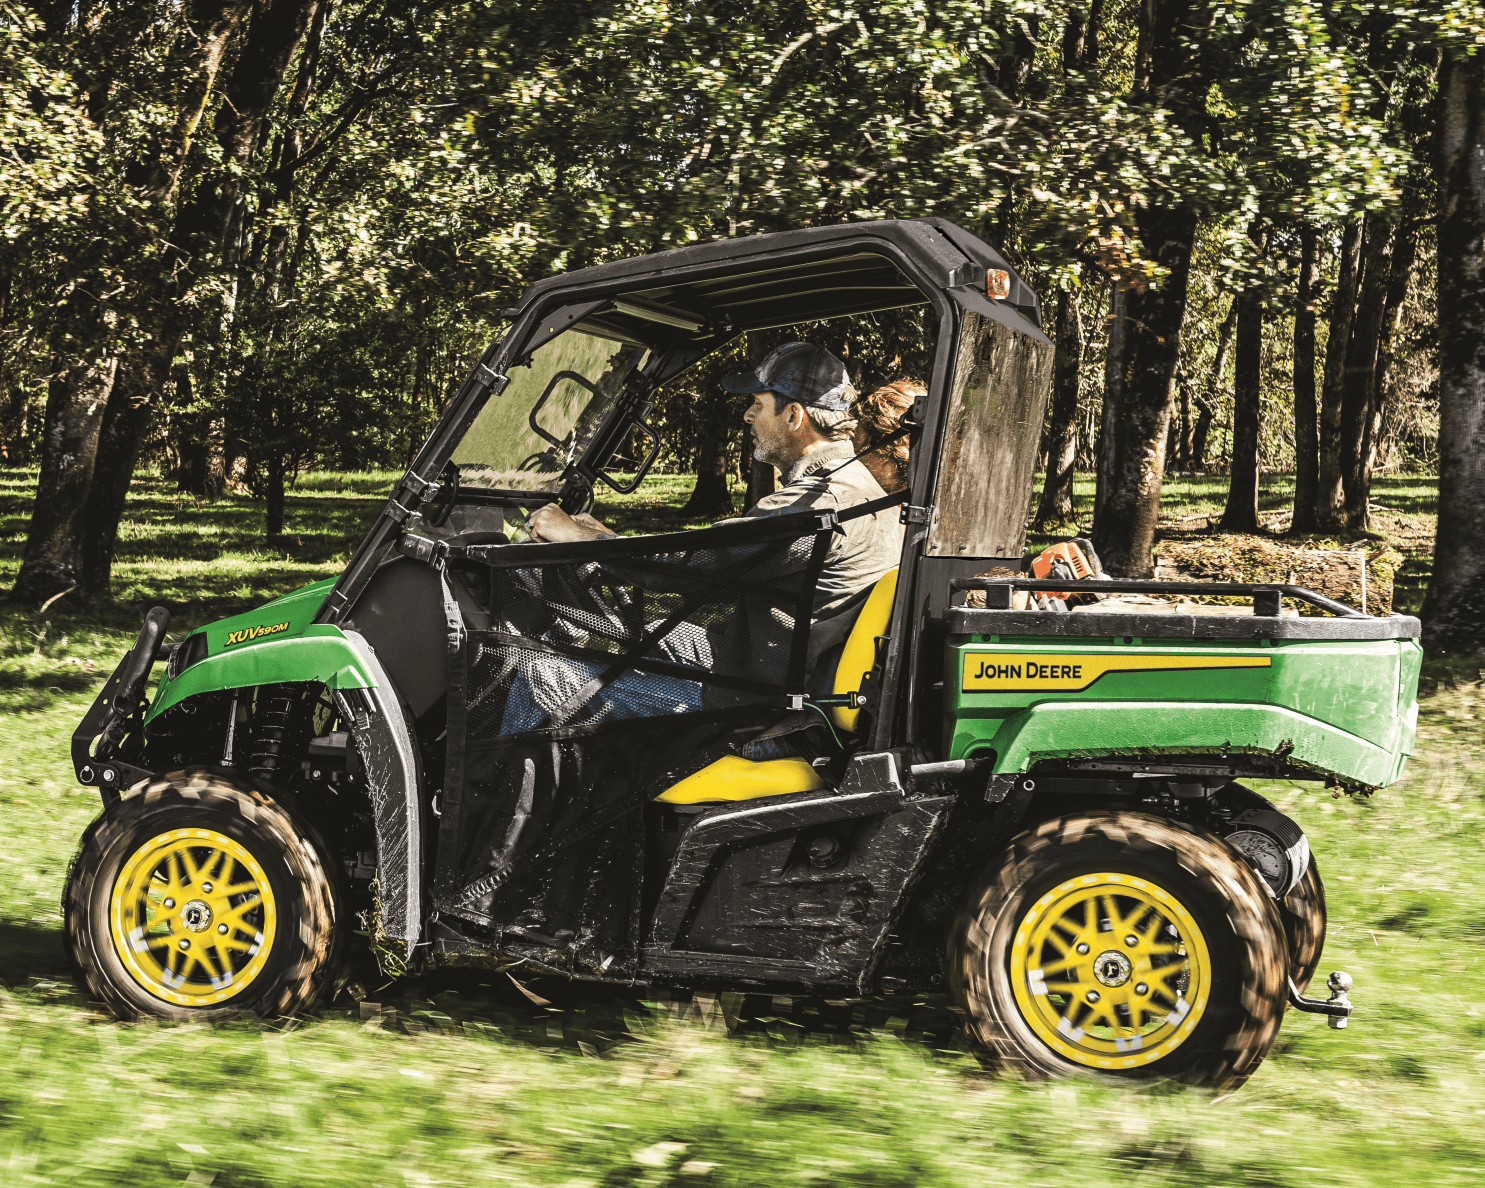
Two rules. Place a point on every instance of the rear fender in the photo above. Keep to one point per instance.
(1085, 730)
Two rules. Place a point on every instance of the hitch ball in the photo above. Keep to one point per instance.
(1340, 986)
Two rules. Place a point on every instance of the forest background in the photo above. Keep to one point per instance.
(242, 240)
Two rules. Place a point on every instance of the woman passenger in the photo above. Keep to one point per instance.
(877, 416)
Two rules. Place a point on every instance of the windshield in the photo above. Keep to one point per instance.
(575, 378)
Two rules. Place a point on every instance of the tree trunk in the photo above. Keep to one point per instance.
(74, 415)
(1361, 368)
(1306, 423)
(1124, 534)
(1113, 399)
(1186, 425)
(710, 497)
(1241, 512)
(1454, 612)
(1330, 503)
(1056, 507)
(274, 494)
(1404, 254)
(124, 425)
(1201, 434)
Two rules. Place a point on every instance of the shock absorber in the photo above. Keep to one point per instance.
(280, 731)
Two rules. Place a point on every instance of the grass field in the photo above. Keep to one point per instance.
(461, 1080)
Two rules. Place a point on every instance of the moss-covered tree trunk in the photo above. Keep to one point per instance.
(1454, 612)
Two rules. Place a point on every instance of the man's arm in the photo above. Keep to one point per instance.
(550, 524)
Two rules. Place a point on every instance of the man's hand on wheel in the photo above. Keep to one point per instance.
(550, 524)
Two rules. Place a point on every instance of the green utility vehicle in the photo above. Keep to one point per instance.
(642, 760)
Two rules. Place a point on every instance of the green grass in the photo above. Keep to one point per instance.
(459, 1080)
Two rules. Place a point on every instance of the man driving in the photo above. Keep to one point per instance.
(800, 417)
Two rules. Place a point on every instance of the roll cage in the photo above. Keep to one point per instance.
(682, 305)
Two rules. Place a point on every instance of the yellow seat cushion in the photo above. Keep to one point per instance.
(734, 778)
(857, 656)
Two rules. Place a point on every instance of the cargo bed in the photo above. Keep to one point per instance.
(1327, 697)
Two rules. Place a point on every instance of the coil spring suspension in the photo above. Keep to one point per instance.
(280, 731)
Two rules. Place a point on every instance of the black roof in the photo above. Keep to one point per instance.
(785, 277)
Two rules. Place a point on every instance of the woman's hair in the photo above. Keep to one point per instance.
(877, 416)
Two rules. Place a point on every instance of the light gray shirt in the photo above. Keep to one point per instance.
(870, 546)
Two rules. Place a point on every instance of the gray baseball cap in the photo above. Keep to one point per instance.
(798, 371)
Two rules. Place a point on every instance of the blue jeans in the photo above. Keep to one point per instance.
(545, 681)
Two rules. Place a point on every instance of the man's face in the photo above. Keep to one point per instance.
(775, 432)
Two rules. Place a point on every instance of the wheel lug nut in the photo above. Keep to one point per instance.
(222, 928)
(1141, 988)
(1092, 996)
(185, 944)
(1131, 941)
(170, 903)
(207, 888)
(1081, 948)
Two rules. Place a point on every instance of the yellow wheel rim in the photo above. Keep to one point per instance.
(192, 917)
(1110, 971)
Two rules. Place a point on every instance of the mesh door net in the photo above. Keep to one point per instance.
(637, 628)
(605, 668)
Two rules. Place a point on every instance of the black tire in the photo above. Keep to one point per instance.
(277, 955)
(1230, 944)
(1303, 914)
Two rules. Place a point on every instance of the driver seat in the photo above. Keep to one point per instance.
(733, 778)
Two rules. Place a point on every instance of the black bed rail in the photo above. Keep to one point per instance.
(1267, 598)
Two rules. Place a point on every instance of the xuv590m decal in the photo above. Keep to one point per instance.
(251, 633)
(1017, 672)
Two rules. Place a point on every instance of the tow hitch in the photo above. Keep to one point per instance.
(1337, 1008)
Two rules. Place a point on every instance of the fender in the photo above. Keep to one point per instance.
(1083, 729)
(321, 653)
(366, 698)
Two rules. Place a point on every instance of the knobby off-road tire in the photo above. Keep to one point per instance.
(198, 895)
(1120, 945)
(1303, 914)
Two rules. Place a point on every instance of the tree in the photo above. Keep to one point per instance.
(1454, 610)
(1055, 510)
(1306, 410)
(1241, 512)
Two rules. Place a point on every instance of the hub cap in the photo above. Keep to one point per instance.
(1110, 971)
(192, 917)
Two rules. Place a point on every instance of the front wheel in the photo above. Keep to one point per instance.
(1123, 945)
(200, 894)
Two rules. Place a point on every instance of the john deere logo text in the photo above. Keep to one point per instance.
(989, 672)
(251, 633)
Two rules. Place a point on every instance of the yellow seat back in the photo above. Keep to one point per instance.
(861, 646)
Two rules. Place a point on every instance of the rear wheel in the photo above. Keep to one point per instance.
(1123, 945)
(197, 894)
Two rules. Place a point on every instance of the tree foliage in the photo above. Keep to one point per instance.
(243, 239)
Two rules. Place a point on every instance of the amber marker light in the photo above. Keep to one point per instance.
(998, 284)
